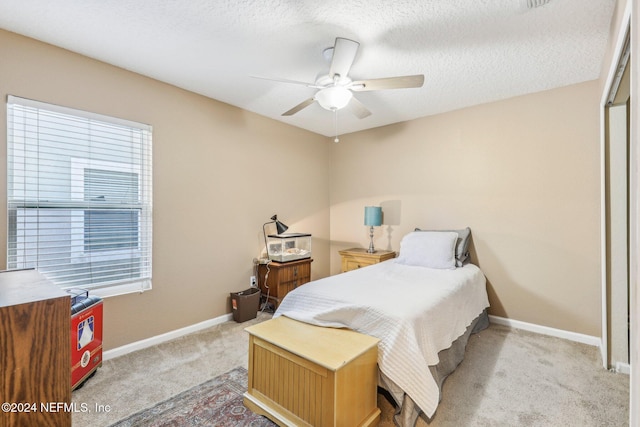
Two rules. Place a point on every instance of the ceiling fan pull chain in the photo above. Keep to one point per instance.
(335, 112)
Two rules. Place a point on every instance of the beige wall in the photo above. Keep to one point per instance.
(523, 173)
(219, 174)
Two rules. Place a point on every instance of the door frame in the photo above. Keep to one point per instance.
(630, 24)
(613, 69)
(634, 293)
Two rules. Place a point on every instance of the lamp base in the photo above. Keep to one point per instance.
(371, 249)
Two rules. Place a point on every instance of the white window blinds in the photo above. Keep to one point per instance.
(79, 197)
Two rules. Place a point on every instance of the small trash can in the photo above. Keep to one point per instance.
(245, 304)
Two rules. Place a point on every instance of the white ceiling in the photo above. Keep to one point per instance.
(470, 51)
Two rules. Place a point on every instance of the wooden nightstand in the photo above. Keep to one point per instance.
(358, 257)
(283, 278)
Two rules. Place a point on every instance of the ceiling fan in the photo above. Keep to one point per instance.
(335, 89)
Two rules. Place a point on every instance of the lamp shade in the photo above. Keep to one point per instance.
(281, 227)
(373, 216)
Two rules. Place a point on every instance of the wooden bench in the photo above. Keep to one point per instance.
(305, 375)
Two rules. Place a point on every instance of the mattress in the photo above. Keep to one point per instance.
(415, 312)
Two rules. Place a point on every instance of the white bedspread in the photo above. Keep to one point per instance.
(414, 311)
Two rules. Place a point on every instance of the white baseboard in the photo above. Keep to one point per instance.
(158, 339)
(623, 368)
(517, 324)
(545, 330)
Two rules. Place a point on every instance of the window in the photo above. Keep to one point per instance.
(79, 197)
(110, 229)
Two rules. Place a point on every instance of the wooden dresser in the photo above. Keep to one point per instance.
(306, 375)
(35, 358)
(283, 278)
(358, 257)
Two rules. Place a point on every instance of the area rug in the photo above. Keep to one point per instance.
(217, 402)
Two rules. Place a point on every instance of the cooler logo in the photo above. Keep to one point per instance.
(85, 332)
(86, 357)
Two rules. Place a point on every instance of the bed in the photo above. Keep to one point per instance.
(422, 305)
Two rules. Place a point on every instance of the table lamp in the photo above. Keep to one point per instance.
(372, 218)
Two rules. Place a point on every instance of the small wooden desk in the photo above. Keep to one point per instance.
(306, 375)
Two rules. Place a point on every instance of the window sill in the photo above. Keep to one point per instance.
(124, 289)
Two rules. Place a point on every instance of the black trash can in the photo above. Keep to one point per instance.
(245, 304)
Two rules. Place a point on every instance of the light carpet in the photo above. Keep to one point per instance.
(508, 378)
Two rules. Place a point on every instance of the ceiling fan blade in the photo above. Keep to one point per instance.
(303, 104)
(358, 108)
(344, 52)
(313, 85)
(399, 82)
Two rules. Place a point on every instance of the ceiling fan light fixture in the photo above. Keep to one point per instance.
(333, 98)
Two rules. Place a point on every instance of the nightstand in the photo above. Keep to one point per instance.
(358, 257)
(283, 278)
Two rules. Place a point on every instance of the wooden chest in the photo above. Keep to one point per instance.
(306, 375)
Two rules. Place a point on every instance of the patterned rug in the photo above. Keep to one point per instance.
(217, 402)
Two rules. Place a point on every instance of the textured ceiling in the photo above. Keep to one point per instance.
(470, 51)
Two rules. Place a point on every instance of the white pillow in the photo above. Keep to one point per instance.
(433, 249)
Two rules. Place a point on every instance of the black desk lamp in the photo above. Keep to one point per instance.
(280, 227)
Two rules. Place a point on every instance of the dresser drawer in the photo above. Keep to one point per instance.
(355, 258)
(295, 272)
(355, 263)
